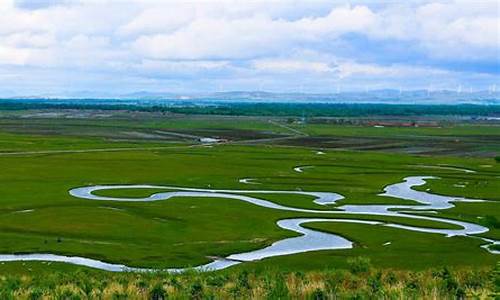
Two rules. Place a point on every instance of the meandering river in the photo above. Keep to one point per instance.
(308, 240)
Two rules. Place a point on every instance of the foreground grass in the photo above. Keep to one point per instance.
(359, 281)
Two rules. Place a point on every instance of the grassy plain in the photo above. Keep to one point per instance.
(38, 215)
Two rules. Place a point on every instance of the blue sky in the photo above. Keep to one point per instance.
(114, 47)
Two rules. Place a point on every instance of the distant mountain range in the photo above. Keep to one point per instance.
(378, 96)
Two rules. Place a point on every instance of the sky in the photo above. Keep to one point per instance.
(115, 47)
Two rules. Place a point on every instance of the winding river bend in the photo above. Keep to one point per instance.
(308, 240)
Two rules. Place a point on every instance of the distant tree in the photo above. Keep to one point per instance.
(497, 159)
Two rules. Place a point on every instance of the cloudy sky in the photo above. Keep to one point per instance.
(112, 47)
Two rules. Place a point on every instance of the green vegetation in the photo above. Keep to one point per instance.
(359, 281)
(42, 158)
(260, 109)
(390, 247)
(127, 128)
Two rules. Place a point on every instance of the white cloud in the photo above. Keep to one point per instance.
(453, 28)
(13, 56)
(211, 38)
(250, 36)
(159, 19)
(178, 68)
(290, 66)
(28, 39)
(229, 38)
(353, 69)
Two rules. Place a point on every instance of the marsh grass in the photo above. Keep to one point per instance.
(360, 281)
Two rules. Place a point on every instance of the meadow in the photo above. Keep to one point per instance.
(42, 158)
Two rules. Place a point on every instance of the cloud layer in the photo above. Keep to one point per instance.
(120, 46)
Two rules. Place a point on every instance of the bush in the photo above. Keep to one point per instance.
(497, 159)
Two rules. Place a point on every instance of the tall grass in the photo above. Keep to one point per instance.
(360, 281)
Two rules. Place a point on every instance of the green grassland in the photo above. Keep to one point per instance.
(447, 136)
(38, 215)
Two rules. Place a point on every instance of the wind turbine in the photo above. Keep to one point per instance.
(429, 90)
(492, 89)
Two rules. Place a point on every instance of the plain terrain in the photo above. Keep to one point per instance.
(44, 153)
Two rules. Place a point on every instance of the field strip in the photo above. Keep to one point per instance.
(95, 150)
(264, 140)
(180, 135)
